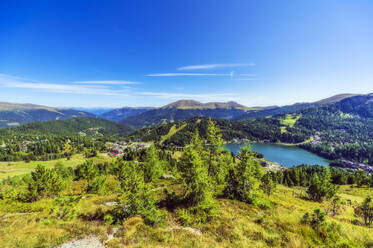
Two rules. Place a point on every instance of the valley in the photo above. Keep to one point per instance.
(191, 124)
(64, 180)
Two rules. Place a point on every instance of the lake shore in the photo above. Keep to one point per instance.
(284, 155)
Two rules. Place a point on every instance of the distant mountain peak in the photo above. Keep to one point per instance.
(183, 104)
(336, 98)
(15, 114)
(7, 106)
(192, 104)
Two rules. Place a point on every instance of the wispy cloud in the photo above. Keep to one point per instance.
(109, 82)
(247, 75)
(24, 83)
(246, 79)
(189, 74)
(212, 66)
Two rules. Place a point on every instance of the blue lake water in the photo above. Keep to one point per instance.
(287, 156)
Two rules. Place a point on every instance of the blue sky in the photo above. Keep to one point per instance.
(149, 53)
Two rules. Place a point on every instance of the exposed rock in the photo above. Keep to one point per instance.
(112, 234)
(111, 203)
(165, 176)
(188, 229)
(88, 242)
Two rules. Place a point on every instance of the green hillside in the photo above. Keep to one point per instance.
(77, 126)
(13, 115)
(343, 129)
(122, 113)
(206, 198)
(183, 110)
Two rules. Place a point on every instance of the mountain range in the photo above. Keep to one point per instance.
(13, 114)
(185, 109)
(339, 128)
(122, 113)
(76, 126)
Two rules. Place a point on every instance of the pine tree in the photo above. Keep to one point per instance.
(244, 179)
(198, 184)
(218, 160)
(152, 166)
(268, 184)
(335, 205)
(90, 172)
(365, 211)
(137, 199)
(321, 188)
(44, 182)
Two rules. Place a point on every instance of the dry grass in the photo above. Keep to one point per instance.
(237, 224)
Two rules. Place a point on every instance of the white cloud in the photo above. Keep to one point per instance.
(246, 79)
(188, 74)
(247, 75)
(110, 82)
(212, 66)
(24, 83)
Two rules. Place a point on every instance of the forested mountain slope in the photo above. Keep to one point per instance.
(12, 114)
(185, 109)
(291, 108)
(122, 113)
(77, 126)
(340, 130)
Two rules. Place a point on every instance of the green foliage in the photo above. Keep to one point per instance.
(361, 178)
(137, 199)
(219, 161)
(316, 220)
(199, 187)
(268, 185)
(90, 153)
(327, 233)
(244, 179)
(91, 173)
(152, 166)
(62, 170)
(365, 211)
(65, 207)
(335, 205)
(321, 188)
(74, 126)
(44, 183)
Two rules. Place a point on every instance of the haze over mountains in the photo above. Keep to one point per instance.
(122, 113)
(185, 109)
(12, 114)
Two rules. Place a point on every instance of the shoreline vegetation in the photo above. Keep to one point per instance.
(338, 163)
(206, 197)
(141, 195)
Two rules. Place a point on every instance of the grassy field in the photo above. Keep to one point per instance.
(237, 224)
(10, 169)
(173, 130)
(289, 121)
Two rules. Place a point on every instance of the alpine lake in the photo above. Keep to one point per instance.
(285, 155)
